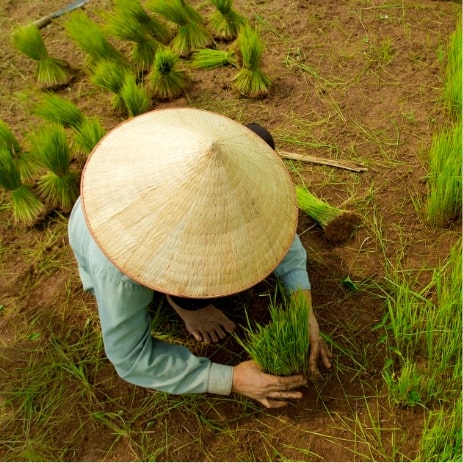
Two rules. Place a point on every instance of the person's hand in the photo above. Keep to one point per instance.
(318, 349)
(269, 390)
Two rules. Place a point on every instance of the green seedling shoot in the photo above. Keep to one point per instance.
(191, 33)
(60, 185)
(225, 22)
(251, 80)
(166, 80)
(207, 58)
(281, 347)
(50, 71)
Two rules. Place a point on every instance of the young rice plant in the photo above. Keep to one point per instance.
(191, 33)
(55, 108)
(60, 185)
(225, 22)
(338, 225)
(452, 93)
(134, 96)
(166, 80)
(88, 134)
(251, 80)
(282, 346)
(49, 71)
(86, 34)
(124, 24)
(25, 163)
(207, 58)
(444, 200)
(26, 206)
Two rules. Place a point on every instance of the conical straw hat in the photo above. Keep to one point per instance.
(189, 203)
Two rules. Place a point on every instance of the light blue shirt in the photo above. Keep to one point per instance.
(137, 356)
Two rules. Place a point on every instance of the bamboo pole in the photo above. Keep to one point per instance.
(349, 165)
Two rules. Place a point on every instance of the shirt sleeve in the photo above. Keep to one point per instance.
(292, 270)
(137, 356)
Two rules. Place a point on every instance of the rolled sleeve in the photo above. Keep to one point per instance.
(292, 270)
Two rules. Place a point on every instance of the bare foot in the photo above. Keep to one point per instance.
(208, 324)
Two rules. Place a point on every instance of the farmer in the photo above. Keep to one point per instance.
(196, 206)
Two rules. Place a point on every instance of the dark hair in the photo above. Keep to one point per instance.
(263, 133)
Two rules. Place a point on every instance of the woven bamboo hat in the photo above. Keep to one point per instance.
(189, 203)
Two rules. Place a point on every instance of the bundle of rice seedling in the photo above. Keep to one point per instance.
(60, 185)
(251, 81)
(453, 89)
(282, 346)
(55, 108)
(207, 58)
(88, 134)
(26, 206)
(134, 12)
(86, 34)
(225, 22)
(166, 80)
(191, 33)
(124, 24)
(111, 76)
(25, 163)
(444, 200)
(134, 96)
(338, 224)
(49, 71)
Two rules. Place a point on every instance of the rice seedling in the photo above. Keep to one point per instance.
(134, 96)
(24, 161)
(25, 205)
(452, 91)
(86, 34)
(251, 80)
(124, 24)
(282, 346)
(207, 58)
(60, 185)
(338, 224)
(134, 11)
(426, 328)
(442, 436)
(225, 22)
(49, 71)
(55, 108)
(88, 134)
(111, 76)
(444, 199)
(166, 80)
(191, 33)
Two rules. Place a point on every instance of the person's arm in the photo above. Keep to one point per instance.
(292, 271)
(136, 355)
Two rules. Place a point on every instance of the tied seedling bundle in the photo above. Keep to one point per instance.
(191, 33)
(225, 22)
(54, 108)
(26, 165)
(15, 164)
(208, 58)
(338, 224)
(50, 71)
(86, 34)
(60, 185)
(129, 21)
(282, 346)
(166, 80)
(251, 80)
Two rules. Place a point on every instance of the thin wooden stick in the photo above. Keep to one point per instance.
(323, 161)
